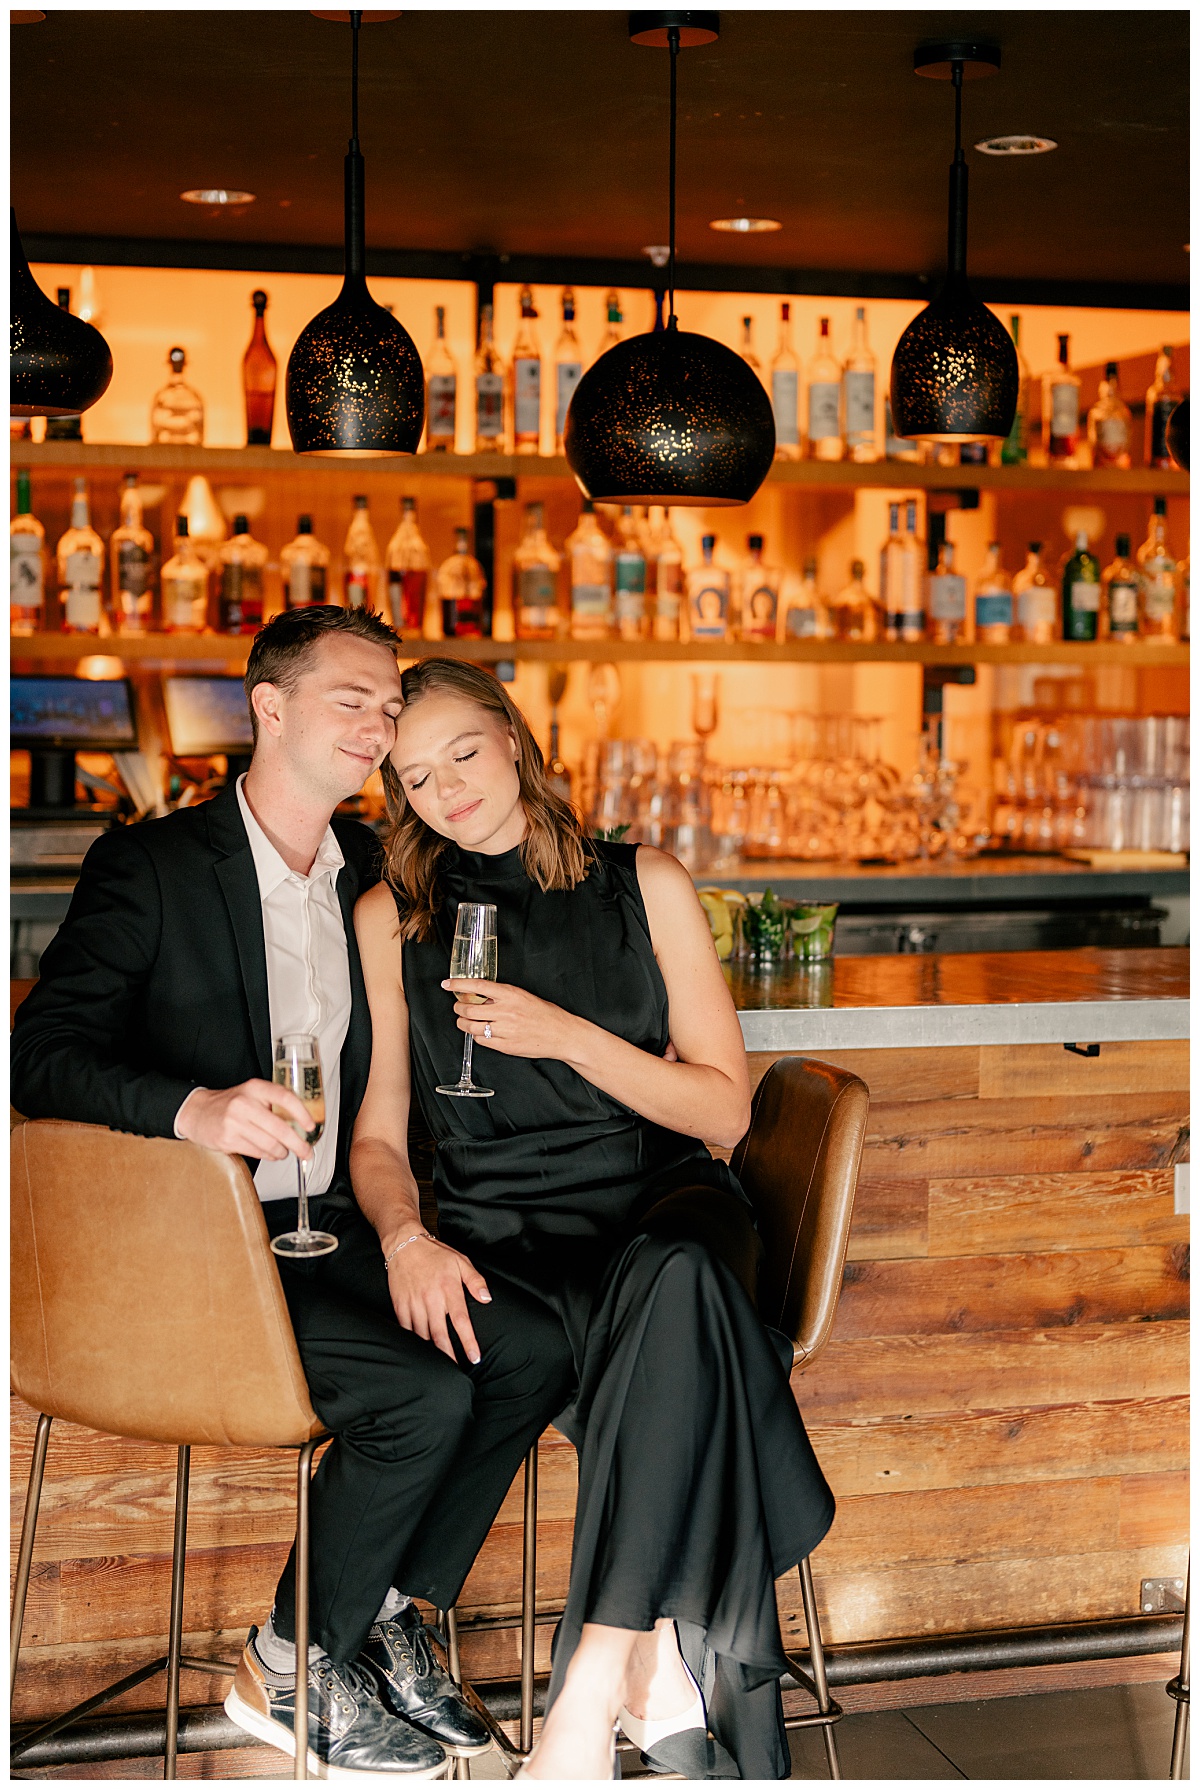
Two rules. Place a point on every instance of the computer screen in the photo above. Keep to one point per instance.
(206, 715)
(73, 714)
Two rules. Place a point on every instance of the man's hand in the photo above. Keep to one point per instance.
(426, 1280)
(241, 1121)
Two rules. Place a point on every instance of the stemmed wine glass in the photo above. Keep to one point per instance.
(474, 955)
(298, 1067)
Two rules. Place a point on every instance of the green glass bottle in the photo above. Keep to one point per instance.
(1014, 450)
(1081, 593)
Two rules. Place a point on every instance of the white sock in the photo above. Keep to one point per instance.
(393, 1603)
(280, 1655)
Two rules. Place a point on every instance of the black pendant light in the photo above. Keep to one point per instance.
(355, 385)
(58, 364)
(954, 373)
(1179, 434)
(670, 417)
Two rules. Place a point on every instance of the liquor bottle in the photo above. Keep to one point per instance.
(1034, 599)
(360, 558)
(748, 355)
(184, 586)
(891, 574)
(258, 378)
(898, 447)
(902, 569)
(526, 381)
(1110, 424)
(557, 774)
(708, 596)
(568, 367)
(993, 600)
(64, 428)
(305, 563)
(1081, 593)
(535, 580)
(27, 564)
(1060, 409)
(1121, 585)
(1183, 575)
(946, 598)
(785, 391)
(824, 400)
(1158, 578)
(804, 615)
(862, 440)
(972, 453)
(489, 390)
(177, 413)
(80, 556)
(243, 561)
(854, 613)
(408, 565)
(629, 580)
(590, 560)
(131, 551)
(1161, 400)
(206, 521)
(461, 582)
(1014, 449)
(759, 595)
(441, 392)
(615, 317)
(664, 575)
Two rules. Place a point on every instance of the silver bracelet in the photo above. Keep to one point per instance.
(396, 1251)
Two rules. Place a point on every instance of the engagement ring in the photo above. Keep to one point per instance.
(487, 1030)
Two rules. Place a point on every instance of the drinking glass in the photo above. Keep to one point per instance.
(298, 1067)
(474, 954)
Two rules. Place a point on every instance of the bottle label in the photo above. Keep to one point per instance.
(443, 388)
(527, 379)
(1064, 409)
(83, 570)
(630, 583)
(759, 607)
(241, 599)
(993, 609)
(183, 603)
(668, 595)
(947, 597)
(1159, 594)
(537, 598)
(358, 591)
(590, 601)
(81, 607)
(406, 598)
(489, 408)
(568, 373)
(1085, 596)
(709, 612)
(824, 404)
(860, 406)
(785, 402)
(909, 623)
(1123, 607)
(800, 623)
(462, 618)
(134, 596)
(305, 585)
(25, 574)
(1112, 436)
(1036, 607)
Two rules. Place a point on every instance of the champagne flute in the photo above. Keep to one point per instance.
(298, 1067)
(474, 955)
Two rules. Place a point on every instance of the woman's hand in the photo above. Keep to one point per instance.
(426, 1280)
(514, 1022)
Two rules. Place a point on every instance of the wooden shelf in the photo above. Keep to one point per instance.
(895, 475)
(230, 652)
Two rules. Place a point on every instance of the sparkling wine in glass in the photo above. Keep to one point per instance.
(474, 955)
(298, 1067)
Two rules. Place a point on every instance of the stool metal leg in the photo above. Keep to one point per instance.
(529, 1599)
(175, 1632)
(816, 1652)
(462, 1767)
(1180, 1688)
(33, 1498)
(303, 1473)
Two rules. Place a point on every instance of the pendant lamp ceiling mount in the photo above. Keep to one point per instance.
(653, 29)
(977, 57)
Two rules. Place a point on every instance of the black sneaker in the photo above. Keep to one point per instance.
(413, 1684)
(350, 1734)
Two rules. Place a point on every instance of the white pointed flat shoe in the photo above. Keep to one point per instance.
(646, 1734)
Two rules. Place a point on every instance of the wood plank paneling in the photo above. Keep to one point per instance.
(996, 1522)
(1047, 1071)
(891, 1075)
(940, 1140)
(1154, 1509)
(1007, 1213)
(891, 1219)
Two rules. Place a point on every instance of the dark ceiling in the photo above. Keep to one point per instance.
(544, 134)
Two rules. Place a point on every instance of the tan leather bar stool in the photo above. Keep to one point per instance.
(798, 1164)
(146, 1303)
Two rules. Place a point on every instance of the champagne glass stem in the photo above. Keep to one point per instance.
(302, 1198)
(468, 1051)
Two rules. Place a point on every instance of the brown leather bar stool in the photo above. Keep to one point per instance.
(798, 1164)
(146, 1303)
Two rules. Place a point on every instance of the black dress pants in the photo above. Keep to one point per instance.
(424, 1449)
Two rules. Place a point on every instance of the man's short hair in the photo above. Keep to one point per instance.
(282, 649)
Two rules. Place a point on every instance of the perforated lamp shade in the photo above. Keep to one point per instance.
(955, 375)
(1179, 434)
(673, 418)
(59, 365)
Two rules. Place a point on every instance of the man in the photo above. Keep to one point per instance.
(190, 944)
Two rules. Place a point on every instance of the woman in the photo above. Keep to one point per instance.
(613, 1049)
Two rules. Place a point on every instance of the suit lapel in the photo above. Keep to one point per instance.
(356, 1052)
(239, 884)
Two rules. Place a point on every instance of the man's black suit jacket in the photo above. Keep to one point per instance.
(156, 982)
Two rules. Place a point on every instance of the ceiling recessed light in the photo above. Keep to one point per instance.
(659, 253)
(217, 195)
(746, 226)
(1016, 145)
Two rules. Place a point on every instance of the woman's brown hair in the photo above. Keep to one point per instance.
(554, 851)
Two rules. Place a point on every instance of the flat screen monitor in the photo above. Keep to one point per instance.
(207, 715)
(71, 714)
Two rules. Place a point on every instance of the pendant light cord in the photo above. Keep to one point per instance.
(356, 240)
(673, 46)
(355, 25)
(956, 243)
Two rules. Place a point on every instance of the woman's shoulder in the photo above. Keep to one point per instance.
(375, 913)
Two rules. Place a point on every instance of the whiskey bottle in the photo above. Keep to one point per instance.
(946, 598)
(489, 390)
(64, 428)
(590, 559)
(80, 557)
(1034, 599)
(535, 580)
(460, 586)
(824, 400)
(526, 386)
(441, 406)
(993, 600)
(804, 614)
(898, 447)
(408, 563)
(1110, 424)
(708, 587)
(1081, 593)
(305, 563)
(243, 561)
(629, 580)
(258, 378)
(1060, 410)
(184, 586)
(862, 440)
(177, 414)
(131, 551)
(785, 391)
(891, 574)
(1014, 450)
(1161, 400)
(27, 564)
(758, 594)
(568, 367)
(1121, 588)
(360, 561)
(855, 613)
(664, 576)
(1157, 567)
